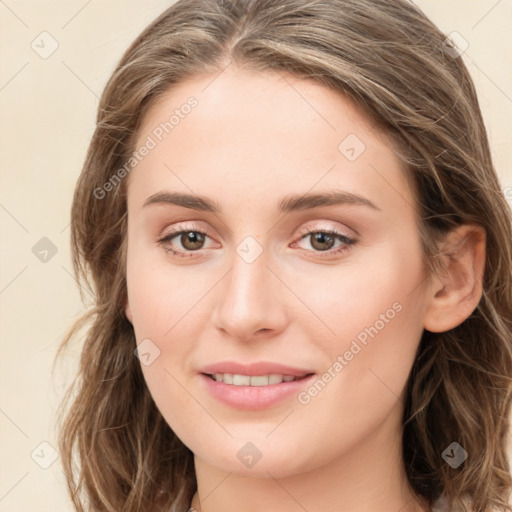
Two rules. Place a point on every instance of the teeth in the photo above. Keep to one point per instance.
(241, 380)
(255, 380)
(275, 379)
(260, 380)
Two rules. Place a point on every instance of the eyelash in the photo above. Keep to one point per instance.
(304, 233)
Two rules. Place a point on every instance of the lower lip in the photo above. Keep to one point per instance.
(252, 398)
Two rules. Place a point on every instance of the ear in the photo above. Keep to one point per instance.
(457, 290)
(128, 312)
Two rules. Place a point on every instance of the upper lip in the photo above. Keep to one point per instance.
(254, 369)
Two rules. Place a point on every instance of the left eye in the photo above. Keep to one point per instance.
(320, 238)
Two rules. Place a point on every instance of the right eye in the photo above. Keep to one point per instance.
(191, 240)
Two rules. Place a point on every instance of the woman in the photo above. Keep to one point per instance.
(301, 262)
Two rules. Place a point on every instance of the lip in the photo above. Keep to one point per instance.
(254, 369)
(253, 398)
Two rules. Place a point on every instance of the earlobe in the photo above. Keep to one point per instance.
(457, 290)
(128, 312)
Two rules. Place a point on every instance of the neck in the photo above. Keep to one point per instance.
(370, 476)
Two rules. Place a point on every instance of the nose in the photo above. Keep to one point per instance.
(250, 300)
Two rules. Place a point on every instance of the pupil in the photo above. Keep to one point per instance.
(322, 238)
(191, 238)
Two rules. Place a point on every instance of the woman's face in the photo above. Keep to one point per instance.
(257, 170)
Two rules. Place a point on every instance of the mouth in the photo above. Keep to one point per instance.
(255, 392)
(254, 386)
(254, 380)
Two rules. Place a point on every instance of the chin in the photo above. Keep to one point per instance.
(260, 459)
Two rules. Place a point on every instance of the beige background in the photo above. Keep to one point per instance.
(48, 107)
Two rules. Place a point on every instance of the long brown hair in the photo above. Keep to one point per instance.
(396, 65)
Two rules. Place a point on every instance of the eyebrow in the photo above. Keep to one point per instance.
(287, 204)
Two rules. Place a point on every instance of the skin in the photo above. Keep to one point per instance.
(252, 139)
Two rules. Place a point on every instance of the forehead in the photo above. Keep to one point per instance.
(260, 101)
(261, 132)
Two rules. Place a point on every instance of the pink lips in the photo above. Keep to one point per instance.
(252, 398)
(260, 368)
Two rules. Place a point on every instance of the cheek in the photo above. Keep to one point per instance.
(375, 310)
(374, 295)
(165, 312)
(377, 321)
(169, 313)
(159, 295)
